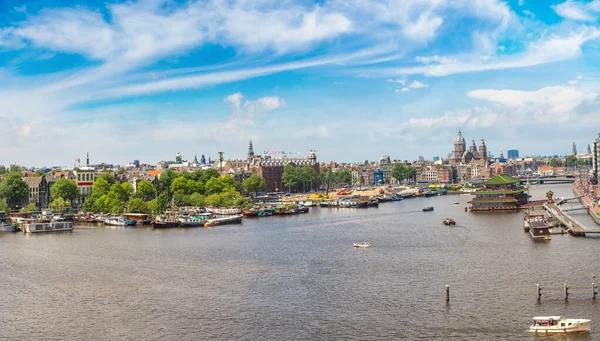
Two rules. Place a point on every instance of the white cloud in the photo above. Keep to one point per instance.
(550, 49)
(580, 11)
(552, 104)
(417, 85)
(400, 81)
(405, 89)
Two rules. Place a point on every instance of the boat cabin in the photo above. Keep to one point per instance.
(139, 217)
(546, 321)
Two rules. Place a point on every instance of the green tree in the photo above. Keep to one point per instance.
(254, 184)
(160, 204)
(145, 191)
(59, 204)
(290, 177)
(165, 180)
(14, 189)
(226, 198)
(555, 162)
(454, 173)
(308, 177)
(220, 184)
(137, 205)
(571, 161)
(343, 177)
(39, 172)
(194, 186)
(410, 173)
(29, 208)
(179, 185)
(4, 206)
(196, 199)
(101, 186)
(3, 170)
(209, 174)
(399, 172)
(121, 171)
(65, 189)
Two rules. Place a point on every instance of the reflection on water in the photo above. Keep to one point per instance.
(300, 278)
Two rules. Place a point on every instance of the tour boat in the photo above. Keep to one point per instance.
(427, 209)
(363, 244)
(449, 221)
(556, 324)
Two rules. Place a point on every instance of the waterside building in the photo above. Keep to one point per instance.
(501, 193)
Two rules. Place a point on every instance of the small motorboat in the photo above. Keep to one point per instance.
(448, 221)
(456, 203)
(428, 209)
(556, 324)
(363, 244)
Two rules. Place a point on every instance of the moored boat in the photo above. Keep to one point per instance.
(194, 220)
(224, 211)
(236, 219)
(558, 325)
(33, 227)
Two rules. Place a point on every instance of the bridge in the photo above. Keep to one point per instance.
(573, 226)
(547, 180)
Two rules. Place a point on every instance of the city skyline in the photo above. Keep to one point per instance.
(353, 80)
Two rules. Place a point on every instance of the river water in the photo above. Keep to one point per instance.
(300, 278)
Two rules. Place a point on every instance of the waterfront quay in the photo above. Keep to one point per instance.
(296, 277)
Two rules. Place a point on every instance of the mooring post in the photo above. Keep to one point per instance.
(539, 292)
(566, 292)
(447, 293)
(594, 290)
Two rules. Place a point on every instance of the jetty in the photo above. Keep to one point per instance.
(573, 226)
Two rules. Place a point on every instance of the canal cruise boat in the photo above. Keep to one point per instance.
(558, 325)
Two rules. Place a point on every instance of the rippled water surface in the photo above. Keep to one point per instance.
(300, 278)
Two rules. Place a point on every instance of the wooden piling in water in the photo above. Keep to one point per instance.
(566, 292)
(539, 292)
(447, 293)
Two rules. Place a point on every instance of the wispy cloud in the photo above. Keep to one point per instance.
(550, 49)
(577, 10)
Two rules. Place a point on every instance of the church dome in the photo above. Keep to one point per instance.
(459, 138)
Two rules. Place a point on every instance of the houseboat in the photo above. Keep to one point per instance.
(33, 227)
(139, 218)
(224, 211)
(5, 226)
(558, 325)
(194, 220)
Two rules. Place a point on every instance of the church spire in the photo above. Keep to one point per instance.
(250, 150)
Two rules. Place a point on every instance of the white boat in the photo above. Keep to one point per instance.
(48, 227)
(363, 244)
(556, 325)
(115, 222)
(224, 211)
(456, 203)
(236, 219)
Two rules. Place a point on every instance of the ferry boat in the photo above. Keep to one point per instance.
(558, 325)
(32, 227)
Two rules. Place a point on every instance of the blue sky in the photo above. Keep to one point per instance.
(352, 79)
